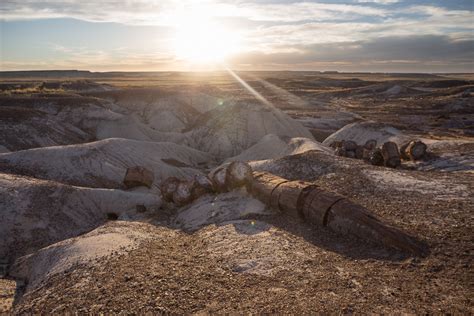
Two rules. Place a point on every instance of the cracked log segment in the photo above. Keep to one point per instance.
(230, 176)
(413, 150)
(327, 209)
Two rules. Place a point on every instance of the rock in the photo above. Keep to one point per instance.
(366, 153)
(349, 145)
(138, 176)
(168, 187)
(391, 155)
(376, 157)
(403, 148)
(238, 174)
(200, 186)
(416, 150)
(359, 152)
(183, 193)
(218, 177)
(371, 144)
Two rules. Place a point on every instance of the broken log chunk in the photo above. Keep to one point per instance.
(218, 178)
(349, 145)
(183, 193)
(138, 176)
(238, 174)
(200, 186)
(371, 144)
(416, 150)
(391, 155)
(168, 187)
(403, 148)
(336, 144)
(346, 217)
(375, 157)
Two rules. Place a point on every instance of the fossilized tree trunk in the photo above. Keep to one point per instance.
(324, 208)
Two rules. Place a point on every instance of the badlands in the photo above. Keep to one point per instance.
(74, 237)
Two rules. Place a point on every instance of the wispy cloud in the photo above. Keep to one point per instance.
(276, 33)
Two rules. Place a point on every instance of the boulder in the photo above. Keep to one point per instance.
(138, 176)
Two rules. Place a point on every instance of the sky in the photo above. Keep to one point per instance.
(167, 35)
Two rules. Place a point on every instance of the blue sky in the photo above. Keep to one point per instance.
(150, 35)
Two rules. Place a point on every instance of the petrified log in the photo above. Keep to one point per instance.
(183, 193)
(391, 155)
(263, 184)
(336, 144)
(416, 150)
(238, 174)
(375, 157)
(286, 196)
(200, 186)
(328, 209)
(403, 149)
(350, 154)
(371, 144)
(138, 176)
(218, 178)
(359, 152)
(347, 217)
(349, 145)
(340, 152)
(168, 187)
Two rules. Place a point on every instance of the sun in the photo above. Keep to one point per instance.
(201, 41)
